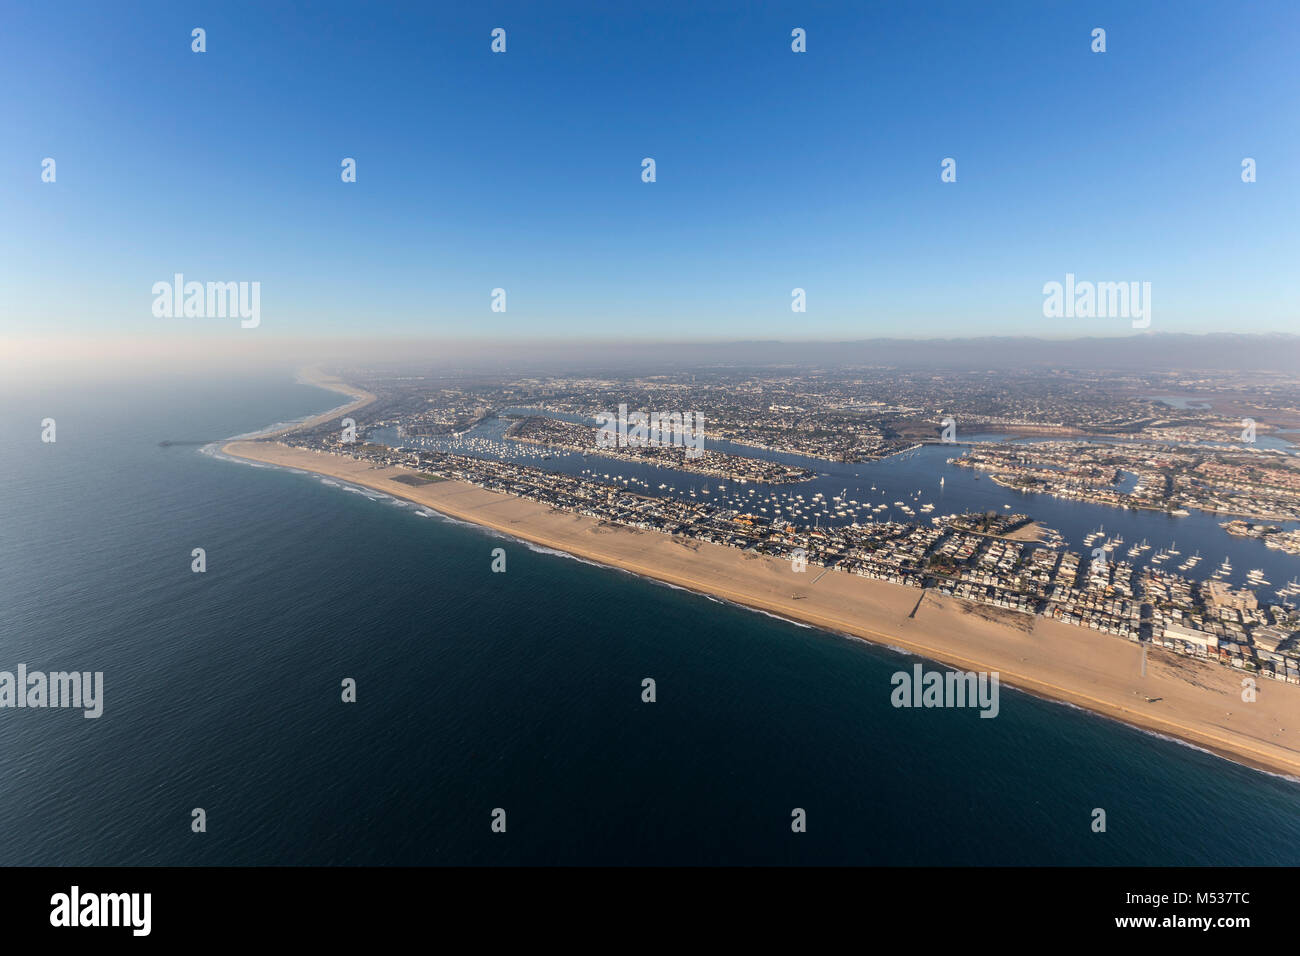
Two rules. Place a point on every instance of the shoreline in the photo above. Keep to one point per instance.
(1192, 702)
(314, 376)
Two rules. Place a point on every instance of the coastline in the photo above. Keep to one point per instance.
(314, 376)
(1195, 703)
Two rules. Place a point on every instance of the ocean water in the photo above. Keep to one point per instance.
(476, 691)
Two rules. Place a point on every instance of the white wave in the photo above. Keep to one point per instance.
(542, 549)
(897, 650)
(745, 607)
(1155, 733)
(214, 451)
(1192, 746)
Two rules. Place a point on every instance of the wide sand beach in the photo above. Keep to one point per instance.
(1193, 701)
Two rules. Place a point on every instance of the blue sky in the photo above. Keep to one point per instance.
(775, 170)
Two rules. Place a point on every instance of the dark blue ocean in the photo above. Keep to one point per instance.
(478, 690)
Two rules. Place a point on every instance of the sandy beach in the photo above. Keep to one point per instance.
(311, 376)
(1194, 701)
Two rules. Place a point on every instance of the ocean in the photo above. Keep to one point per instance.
(478, 690)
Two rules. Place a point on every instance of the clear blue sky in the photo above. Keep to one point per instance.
(775, 169)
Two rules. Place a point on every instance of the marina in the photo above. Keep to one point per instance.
(892, 490)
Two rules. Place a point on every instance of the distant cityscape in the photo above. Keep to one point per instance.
(1127, 447)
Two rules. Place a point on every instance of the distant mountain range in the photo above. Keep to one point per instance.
(1275, 352)
(1161, 351)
